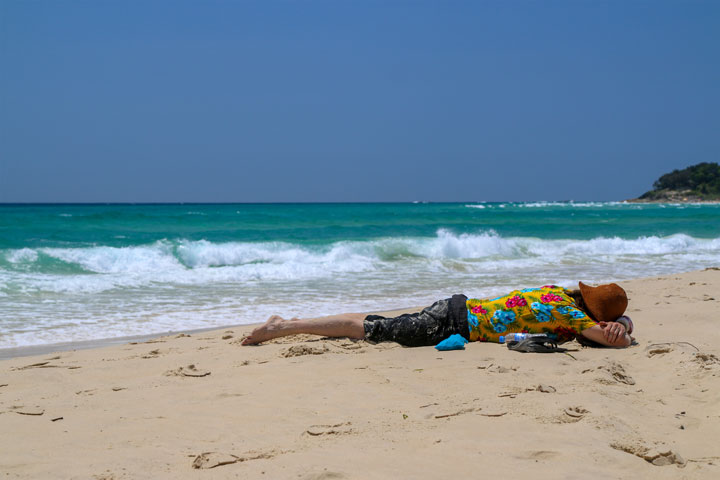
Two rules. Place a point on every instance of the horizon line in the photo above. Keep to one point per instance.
(300, 203)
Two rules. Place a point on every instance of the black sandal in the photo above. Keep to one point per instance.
(543, 344)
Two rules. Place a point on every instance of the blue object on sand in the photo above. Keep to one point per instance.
(453, 342)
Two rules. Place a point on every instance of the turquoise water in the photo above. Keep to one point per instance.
(78, 272)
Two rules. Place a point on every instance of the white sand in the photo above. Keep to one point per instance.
(307, 407)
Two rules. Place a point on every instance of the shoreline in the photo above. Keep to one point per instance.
(672, 202)
(59, 347)
(138, 283)
(44, 349)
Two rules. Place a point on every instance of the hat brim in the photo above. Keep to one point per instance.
(604, 303)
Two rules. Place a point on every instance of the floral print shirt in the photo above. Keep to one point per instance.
(549, 309)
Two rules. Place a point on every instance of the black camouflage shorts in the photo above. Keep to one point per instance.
(428, 327)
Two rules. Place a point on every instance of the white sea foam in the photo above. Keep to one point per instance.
(566, 204)
(615, 246)
(111, 291)
(155, 257)
(203, 263)
(467, 246)
(347, 256)
(545, 204)
(22, 255)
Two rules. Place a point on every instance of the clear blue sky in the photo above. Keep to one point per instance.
(263, 101)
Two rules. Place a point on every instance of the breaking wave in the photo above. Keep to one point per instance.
(198, 262)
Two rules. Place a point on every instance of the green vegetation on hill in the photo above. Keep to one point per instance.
(699, 182)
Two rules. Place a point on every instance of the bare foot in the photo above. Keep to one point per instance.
(267, 331)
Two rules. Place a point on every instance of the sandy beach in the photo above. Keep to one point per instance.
(202, 406)
(174, 173)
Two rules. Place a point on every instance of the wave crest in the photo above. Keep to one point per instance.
(205, 263)
(182, 255)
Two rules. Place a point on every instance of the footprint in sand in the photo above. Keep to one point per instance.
(618, 373)
(502, 369)
(541, 455)
(331, 429)
(231, 395)
(217, 459)
(576, 412)
(668, 347)
(615, 372)
(88, 392)
(459, 412)
(189, 371)
(706, 359)
(571, 415)
(104, 476)
(214, 459)
(348, 345)
(299, 350)
(45, 365)
(658, 457)
(35, 411)
(659, 349)
(325, 475)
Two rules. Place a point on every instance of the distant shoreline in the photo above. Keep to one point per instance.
(675, 202)
(667, 201)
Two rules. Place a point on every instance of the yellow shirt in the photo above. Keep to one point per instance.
(548, 309)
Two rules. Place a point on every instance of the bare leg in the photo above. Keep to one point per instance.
(343, 325)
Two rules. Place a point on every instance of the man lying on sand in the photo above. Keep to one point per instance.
(593, 315)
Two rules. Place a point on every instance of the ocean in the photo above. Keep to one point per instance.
(84, 272)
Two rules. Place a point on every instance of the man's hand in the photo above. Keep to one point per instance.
(612, 330)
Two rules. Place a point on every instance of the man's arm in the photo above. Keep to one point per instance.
(610, 334)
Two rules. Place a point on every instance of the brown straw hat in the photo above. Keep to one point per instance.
(605, 303)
